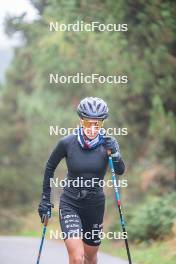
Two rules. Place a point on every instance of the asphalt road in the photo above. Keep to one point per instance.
(22, 250)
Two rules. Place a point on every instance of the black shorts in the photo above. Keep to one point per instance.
(85, 221)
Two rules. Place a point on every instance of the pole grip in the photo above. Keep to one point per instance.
(109, 152)
(46, 220)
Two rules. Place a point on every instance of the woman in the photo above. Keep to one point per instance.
(81, 207)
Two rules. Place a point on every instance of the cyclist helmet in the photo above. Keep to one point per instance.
(93, 107)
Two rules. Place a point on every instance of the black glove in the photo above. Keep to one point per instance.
(112, 144)
(44, 208)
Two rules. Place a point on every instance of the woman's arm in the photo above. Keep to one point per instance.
(56, 156)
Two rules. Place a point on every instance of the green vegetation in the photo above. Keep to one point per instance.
(146, 106)
(155, 252)
(154, 219)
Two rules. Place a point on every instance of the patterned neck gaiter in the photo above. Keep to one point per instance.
(90, 143)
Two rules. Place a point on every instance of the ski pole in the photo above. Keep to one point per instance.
(43, 236)
(122, 221)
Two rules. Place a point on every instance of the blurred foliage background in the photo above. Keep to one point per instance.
(146, 106)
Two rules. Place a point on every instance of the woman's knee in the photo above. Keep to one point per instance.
(75, 251)
(77, 258)
(91, 259)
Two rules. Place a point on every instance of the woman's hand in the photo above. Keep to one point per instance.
(112, 144)
(44, 209)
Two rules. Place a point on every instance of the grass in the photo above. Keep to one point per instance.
(143, 253)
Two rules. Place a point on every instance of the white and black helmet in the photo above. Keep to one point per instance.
(92, 107)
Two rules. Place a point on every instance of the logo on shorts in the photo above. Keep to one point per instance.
(95, 225)
(96, 241)
(60, 210)
(98, 225)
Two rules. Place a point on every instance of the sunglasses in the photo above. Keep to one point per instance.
(91, 123)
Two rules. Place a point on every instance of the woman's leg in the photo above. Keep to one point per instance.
(71, 227)
(92, 222)
(81, 253)
(90, 254)
(75, 250)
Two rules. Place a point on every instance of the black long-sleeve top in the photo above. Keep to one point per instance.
(82, 163)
